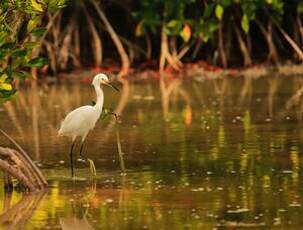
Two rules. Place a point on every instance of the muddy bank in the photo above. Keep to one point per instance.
(199, 71)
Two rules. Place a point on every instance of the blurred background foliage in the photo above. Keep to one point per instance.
(148, 33)
(222, 32)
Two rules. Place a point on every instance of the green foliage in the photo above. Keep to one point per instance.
(148, 18)
(173, 16)
(37, 62)
(245, 23)
(219, 11)
(19, 21)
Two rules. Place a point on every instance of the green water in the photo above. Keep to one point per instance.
(203, 155)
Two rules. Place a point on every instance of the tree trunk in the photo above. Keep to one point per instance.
(148, 47)
(196, 48)
(244, 50)
(115, 38)
(221, 45)
(299, 21)
(248, 42)
(291, 42)
(165, 53)
(76, 48)
(272, 51)
(97, 42)
(228, 44)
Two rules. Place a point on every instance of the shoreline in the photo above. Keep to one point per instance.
(199, 71)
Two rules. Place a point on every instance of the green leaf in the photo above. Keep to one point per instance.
(30, 45)
(204, 37)
(37, 5)
(208, 10)
(3, 78)
(56, 4)
(219, 11)
(21, 74)
(38, 32)
(300, 8)
(8, 45)
(3, 36)
(245, 23)
(33, 23)
(172, 23)
(16, 63)
(3, 53)
(6, 86)
(212, 25)
(226, 3)
(7, 94)
(37, 62)
(19, 53)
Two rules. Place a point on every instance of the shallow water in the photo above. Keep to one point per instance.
(217, 153)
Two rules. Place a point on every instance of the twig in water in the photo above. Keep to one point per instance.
(122, 165)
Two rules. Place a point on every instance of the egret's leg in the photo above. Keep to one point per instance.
(71, 159)
(82, 144)
(91, 162)
(81, 149)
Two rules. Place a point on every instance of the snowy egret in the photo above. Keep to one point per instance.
(80, 121)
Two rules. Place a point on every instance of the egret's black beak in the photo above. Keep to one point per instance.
(113, 86)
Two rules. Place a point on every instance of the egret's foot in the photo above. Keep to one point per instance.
(92, 167)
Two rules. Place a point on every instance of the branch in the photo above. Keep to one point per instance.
(37, 172)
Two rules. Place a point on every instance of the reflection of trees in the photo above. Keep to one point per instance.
(17, 215)
(296, 98)
(167, 87)
(273, 84)
(170, 90)
(246, 90)
(10, 109)
(36, 107)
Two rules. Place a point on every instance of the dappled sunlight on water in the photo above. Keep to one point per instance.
(198, 154)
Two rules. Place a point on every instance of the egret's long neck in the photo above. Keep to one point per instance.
(100, 97)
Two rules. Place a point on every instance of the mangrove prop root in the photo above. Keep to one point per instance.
(26, 159)
(13, 164)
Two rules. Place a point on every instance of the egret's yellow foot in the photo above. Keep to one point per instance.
(92, 167)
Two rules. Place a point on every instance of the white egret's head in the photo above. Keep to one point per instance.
(101, 78)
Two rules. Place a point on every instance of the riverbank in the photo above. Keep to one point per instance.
(199, 71)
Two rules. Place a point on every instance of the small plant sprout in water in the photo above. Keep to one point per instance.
(104, 114)
(80, 121)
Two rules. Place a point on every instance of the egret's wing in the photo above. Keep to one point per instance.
(76, 120)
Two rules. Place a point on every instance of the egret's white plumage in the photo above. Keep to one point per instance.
(80, 121)
(83, 119)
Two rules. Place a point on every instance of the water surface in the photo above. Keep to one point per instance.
(199, 155)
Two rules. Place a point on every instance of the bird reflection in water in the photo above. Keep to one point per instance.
(78, 220)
